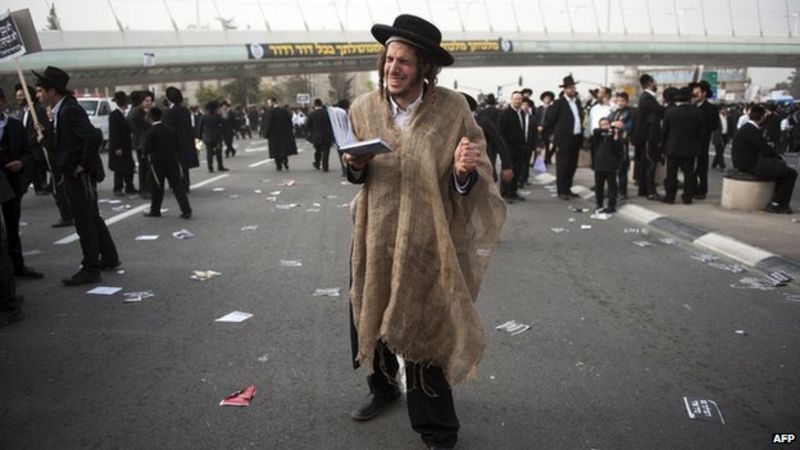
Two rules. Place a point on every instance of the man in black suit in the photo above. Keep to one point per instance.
(530, 131)
(320, 134)
(36, 171)
(544, 140)
(700, 93)
(120, 147)
(180, 119)
(682, 141)
(280, 134)
(565, 122)
(495, 145)
(210, 131)
(77, 146)
(511, 124)
(10, 302)
(15, 155)
(646, 138)
(141, 101)
(752, 154)
(161, 145)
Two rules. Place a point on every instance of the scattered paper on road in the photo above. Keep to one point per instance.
(114, 202)
(234, 317)
(759, 283)
(741, 332)
(104, 290)
(290, 263)
(241, 398)
(578, 209)
(513, 328)
(586, 227)
(313, 210)
(343, 205)
(275, 193)
(132, 297)
(558, 230)
(288, 183)
(483, 252)
(183, 234)
(704, 257)
(525, 193)
(257, 191)
(703, 409)
(331, 197)
(33, 252)
(121, 207)
(233, 196)
(287, 206)
(734, 268)
(203, 275)
(600, 216)
(636, 231)
(218, 189)
(272, 199)
(327, 292)
(345, 183)
(250, 228)
(147, 237)
(668, 241)
(644, 244)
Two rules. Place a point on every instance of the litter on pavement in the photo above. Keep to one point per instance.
(779, 277)
(132, 297)
(121, 207)
(668, 241)
(644, 244)
(218, 189)
(586, 227)
(734, 268)
(345, 183)
(791, 297)
(290, 263)
(234, 317)
(327, 292)
(275, 193)
(741, 332)
(343, 205)
(600, 216)
(287, 183)
(558, 230)
(203, 275)
(760, 283)
(233, 196)
(313, 210)
(114, 202)
(257, 191)
(147, 237)
(704, 257)
(104, 290)
(287, 205)
(183, 234)
(578, 209)
(483, 252)
(703, 409)
(241, 398)
(525, 193)
(250, 228)
(513, 328)
(331, 197)
(272, 199)
(636, 231)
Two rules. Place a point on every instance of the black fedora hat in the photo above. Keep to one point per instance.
(547, 94)
(417, 32)
(121, 98)
(568, 81)
(683, 94)
(490, 99)
(174, 95)
(53, 77)
(473, 104)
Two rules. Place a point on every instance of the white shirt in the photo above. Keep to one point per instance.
(576, 128)
(742, 120)
(753, 123)
(597, 112)
(723, 123)
(56, 109)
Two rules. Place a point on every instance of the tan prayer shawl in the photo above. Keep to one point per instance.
(420, 250)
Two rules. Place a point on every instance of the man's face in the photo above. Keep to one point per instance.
(516, 100)
(547, 100)
(46, 96)
(698, 94)
(570, 91)
(20, 97)
(147, 103)
(401, 70)
(621, 102)
(525, 107)
(605, 124)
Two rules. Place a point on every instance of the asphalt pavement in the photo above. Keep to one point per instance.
(619, 335)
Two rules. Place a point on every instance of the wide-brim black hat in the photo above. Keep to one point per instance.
(473, 104)
(490, 99)
(417, 31)
(568, 81)
(121, 98)
(702, 84)
(547, 94)
(53, 77)
(683, 94)
(174, 95)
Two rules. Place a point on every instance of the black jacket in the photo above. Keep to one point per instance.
(560, 122)
(710, 115)
(608, 151)
(748, 143)
(682, 131)
(119, 138)
(647, 122)
(180, 119)
(319, 127)
(510, 127)
(161, 147)
(36, 148)
(495, 145)
(15, 146)
(138, 125)
(280, 133)
(210, 128)
(77, 142)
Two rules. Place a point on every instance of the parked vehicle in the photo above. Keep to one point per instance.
(98, 109)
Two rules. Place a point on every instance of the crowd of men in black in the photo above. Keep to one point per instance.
(676, 129)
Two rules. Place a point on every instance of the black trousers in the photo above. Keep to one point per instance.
(123, 180)
(176, 183)
(96, 242)
(36, 174)
(549, 150)
(719, 152)
(686, 165)
(622, 172)
(701, 167)
(653, 158)
(785, 178)
(185, 175)
(11, 215)
(282, 162)
(600, 179)
(9, 302)
(145, 174)
(428, 397)
(524, 165)
(509, 188)
(59, 191)
(228, 137)
(321, 155)
(213, 150)
(640, 168)
(567, 163)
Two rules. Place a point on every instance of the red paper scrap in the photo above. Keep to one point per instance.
(241, 398)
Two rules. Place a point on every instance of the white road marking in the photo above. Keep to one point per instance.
(257, 149)
(261, 163)
(133, 211)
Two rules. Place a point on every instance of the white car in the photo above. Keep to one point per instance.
(98, 109)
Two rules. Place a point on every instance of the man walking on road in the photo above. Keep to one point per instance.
(564, 121)
(280, 134)
(425, 224)
(77, 146)
(320, 134)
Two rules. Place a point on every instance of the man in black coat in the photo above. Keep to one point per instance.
(163, 154)
(646, 138)
(682, 140)
(700, 93)
(210, 131)
(565, 122)
(120, 147)
(180, 119)
(15, 155)
(77, 149)
(141, 101)
(280, 134)
(10, 302)
(544, 141)
(36, 171)
(752, 154)
(512, 123)
(494, 142)
(320, 134)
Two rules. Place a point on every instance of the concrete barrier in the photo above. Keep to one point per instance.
(745, 191)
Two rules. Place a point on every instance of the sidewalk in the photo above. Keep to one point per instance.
(757, 239)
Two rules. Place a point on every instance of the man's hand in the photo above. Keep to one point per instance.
(78, 171)
(14, 166)
(357, 162)
(118, 152)
(507, 175)
(466, 157)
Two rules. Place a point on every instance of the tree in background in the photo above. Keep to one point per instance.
(270, 90)
(206, 94)
(296, 84)
(243, 90)
(341, 86)
(794, 83)
(53, 22)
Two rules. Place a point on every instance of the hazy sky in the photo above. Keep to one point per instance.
(772, 18)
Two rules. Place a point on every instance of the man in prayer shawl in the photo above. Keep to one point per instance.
(425, 224)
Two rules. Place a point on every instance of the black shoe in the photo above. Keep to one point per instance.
(131, 191)
(27, 272)
(279, 167)
(82, 277)
(210, 170)
(111, 265)
(655, 197)
(610, 210)
(374, 405)
(687, 201)
(699, 196)
(222, 169)
(774, 208)
(144, 196)
(186, 215)
(669, 201)
(63, 223)
(315, 165)
(119, 193)
(573, 195)
(152, 214)
(518, 198)
(564, 197)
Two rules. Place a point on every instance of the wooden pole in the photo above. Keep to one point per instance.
(32, 112)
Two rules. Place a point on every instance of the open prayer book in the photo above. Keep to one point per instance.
(372, 146)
